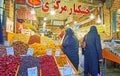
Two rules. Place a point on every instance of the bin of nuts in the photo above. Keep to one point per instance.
(20, 48)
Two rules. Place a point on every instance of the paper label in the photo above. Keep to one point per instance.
(106, 45)
(6, 43)
(49, 52)
(67, 70)
(57, 53)
(30, 51)
(32, 71)
(10, 51)
(56, 42)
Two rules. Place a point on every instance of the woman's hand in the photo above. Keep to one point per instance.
(100, 60)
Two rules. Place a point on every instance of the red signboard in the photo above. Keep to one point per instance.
(75, 9)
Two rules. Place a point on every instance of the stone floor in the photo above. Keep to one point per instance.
(110, 72)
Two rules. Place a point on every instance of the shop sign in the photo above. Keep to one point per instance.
(34, 3)
(9, 25)
(75, 9)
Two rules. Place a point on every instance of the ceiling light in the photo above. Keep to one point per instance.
(99, 20)
(75, 22)
(32, 11)
(45, 18)
(92, 16)
(52, 12)
(44, 24)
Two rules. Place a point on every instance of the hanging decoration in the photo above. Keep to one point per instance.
(34, 3)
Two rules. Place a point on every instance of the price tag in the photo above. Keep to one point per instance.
(56, 42)
(106, 45)
(10, 51)
(113, 43)
(67, 70)
(32, 71)
(49, 52)
(57, 53)
(6, 43)
(61, 70)
(30, 51)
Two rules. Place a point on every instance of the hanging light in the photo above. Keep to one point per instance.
(52, 12)
(92, 16)
(99, 20)
(44, 24)
(32, 11)
(75, 22)
(45, 18)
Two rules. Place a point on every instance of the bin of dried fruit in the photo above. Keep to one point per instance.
(46, 40)
(28, 62)
(34, 39)
(48, 66)
(9, 65)
(61, 61)
(20, 48)
(39, 49)
(21, 37)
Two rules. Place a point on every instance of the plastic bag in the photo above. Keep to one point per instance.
(82, 62)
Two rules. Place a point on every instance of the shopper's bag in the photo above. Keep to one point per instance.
(82, 62)
(83, 45)
(99, 74)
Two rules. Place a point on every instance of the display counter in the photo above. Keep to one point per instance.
(110, 56)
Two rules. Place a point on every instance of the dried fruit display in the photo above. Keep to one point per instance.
(21, 37)
(46, 40)
(39, 49)
(61, 61)
(20, 48)
(9, 65)
(49, 66)
(28, 62)
(34, 39)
